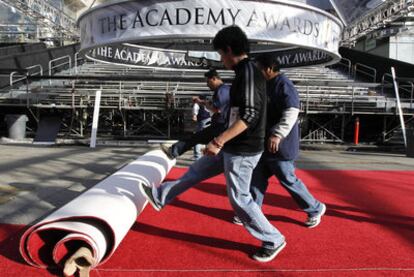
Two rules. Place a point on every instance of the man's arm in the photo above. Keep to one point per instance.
(289, 117)
(249, 110)
(214, 147)
(282, 129)
(238, 127)
(208, 104)
(286, 123)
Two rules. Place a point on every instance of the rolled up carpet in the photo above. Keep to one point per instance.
(96, 220)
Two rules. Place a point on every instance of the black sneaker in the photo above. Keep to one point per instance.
(147, 192)
(236, 220)
(265, 255)
(166, 148)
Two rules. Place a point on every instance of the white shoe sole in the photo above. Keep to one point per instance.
(268, 259)
(237, 222)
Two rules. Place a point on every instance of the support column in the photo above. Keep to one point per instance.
(343, 127)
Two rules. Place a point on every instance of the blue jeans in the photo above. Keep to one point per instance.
(238, 172)
(202, 169)
(201, 125)
(284, 171)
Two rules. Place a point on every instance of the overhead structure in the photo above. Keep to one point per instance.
(364, 17)
(177, 34)
(48, 20)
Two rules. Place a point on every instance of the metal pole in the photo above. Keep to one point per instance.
(353, 99)
(124, 122)
(397, 94)
(81, 123)
(120, 95)
(76, 62)
(169, 127)
(27, 90)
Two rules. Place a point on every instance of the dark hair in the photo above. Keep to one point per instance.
(212, 73)
(231, 37)
(268, 60)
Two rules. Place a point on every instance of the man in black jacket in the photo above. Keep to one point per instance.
(282, 143)
(237, 150)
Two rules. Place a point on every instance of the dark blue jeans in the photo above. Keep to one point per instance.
(202, 137)
(284, 171)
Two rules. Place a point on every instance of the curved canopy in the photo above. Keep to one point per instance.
(298, 33)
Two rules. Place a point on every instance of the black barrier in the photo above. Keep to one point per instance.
(381, 64)
(34, 47)
(11, 50)
(42, 57)
(9, 63)
(7, 71)
(38, 57)
(21, 48)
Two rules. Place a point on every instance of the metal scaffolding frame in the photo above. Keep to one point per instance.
(46, 18)
(390, 13)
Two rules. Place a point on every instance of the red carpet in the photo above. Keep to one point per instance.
(368, 231)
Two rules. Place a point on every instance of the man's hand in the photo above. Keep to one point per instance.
(273, 144)
(211, 149)
(197, 99)
(214, 147)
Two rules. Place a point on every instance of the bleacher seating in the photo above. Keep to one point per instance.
(154, 103)
(321, 89)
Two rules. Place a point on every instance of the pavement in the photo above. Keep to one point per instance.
(35, 180)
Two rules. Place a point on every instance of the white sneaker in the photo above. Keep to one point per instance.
(314, 221)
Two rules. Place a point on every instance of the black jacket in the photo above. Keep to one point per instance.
(248, 95)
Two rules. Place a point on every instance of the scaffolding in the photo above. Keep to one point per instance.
(47, 20)
(393, 13)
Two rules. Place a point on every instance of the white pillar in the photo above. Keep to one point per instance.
(95, 118)
(397, 95)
